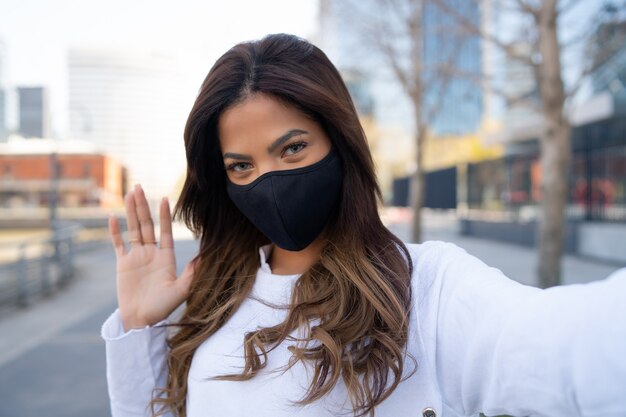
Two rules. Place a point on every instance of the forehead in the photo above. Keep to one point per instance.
(259, 119)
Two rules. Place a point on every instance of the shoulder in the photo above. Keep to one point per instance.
(434, 264)
(448, 262)
(446, 275)
(433, 252)
(431, 258)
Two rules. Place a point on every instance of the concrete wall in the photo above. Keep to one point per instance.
(521, 233)
(599, 240)
(605, 241)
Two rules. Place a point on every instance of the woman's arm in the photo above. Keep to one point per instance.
(136, 363)
(508, 348)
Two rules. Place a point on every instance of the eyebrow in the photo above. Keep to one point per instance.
(282, 139)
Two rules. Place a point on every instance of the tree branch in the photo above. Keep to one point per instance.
(480, 80)
(583, 35)
(474, 29)
(561, 11)
(528, 9)
(605, 54)
(444, 76)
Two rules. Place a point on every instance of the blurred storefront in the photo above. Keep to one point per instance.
(597, 176)
(84, 177)
(498, 198)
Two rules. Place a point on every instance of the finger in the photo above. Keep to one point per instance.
(167, 238)
(143, 215)
(134, 233)
(116, 237)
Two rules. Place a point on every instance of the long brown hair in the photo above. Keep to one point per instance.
(359, 290)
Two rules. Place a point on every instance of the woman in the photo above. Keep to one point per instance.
(300, 302)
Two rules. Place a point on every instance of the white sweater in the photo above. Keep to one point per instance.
(483, 343)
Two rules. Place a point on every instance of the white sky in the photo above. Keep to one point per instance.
(37, 33)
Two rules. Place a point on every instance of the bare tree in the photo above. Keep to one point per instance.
(540, 29)
(395, 31)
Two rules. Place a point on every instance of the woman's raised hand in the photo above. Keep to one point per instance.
(148, 290)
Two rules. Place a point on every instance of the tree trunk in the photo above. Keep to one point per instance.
(417, 187)
(555, 150)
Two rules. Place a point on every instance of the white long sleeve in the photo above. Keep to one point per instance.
(136, 363)
(508, 348)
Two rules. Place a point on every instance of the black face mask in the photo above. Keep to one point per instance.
(292, 206)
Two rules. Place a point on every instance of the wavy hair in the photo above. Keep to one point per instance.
(358, 292)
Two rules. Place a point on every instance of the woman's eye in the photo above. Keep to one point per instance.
(232, 166)
(294, 147)
(298, 145)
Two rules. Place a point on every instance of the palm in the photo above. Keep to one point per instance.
(147, 287)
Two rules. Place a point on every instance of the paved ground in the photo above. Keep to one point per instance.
(52, 357)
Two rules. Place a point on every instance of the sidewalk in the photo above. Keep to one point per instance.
(55, 344)
(517, 262)
(92, 290)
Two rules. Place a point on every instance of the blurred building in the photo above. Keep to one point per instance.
(131, 105)
(346, 32)
(85, 177)
(384, 142)
(34, 112)
(452, 62)
(384, 108)
(607, 52)
(3, 121)
(598, 169)
(467, 107)
(3, 99)
(360, 91)
(503, 194)
(520, 87)
(3, 55)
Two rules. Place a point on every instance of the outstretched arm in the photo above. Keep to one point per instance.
(508, 348)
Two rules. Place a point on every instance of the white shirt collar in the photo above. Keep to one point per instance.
(264, 254)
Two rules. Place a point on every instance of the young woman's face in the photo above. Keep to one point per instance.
(262, 134)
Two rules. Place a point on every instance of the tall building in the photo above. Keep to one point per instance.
(34, 112)
(348, 43)
(383, 107)
(520, 82)
(3, 55)
(607, 51)
(358, 86)
(3, 120)
(350, 50)
(3, 100)
(492, 60)
(131, 104)
(511, 94)
(457, 100)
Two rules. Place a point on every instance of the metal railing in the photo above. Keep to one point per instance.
(36, 267)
